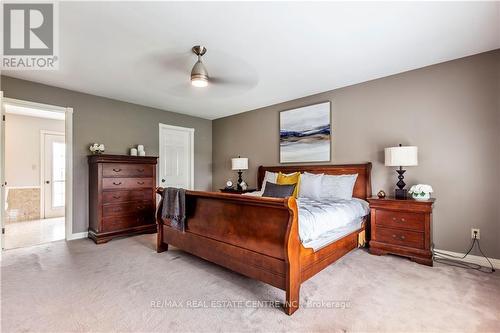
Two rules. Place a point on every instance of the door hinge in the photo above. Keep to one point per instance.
(3, 231)
(3, 117)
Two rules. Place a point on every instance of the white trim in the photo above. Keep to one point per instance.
(68, 131)
(42, 168)
(78, 235)
(34, 105)
(190, 131)
(471, 259)
(68, 213)
(2, 172)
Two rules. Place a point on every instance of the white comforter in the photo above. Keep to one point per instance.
(318, 217)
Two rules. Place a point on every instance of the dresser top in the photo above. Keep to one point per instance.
(407, 200)
(108, 158)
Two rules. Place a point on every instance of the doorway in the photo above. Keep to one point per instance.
(35, 176)
(176, 157)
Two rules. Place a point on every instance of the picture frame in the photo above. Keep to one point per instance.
(306, 134)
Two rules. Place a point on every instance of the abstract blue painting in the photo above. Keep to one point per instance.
(305, 134)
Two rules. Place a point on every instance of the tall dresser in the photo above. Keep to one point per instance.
(122, 198)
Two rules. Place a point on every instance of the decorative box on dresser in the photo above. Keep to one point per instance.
(122, 198)
(401, 227)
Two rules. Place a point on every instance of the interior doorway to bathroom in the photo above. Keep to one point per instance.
(34, 186)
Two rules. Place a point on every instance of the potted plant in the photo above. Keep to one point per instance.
(421, 192)
(96, 148)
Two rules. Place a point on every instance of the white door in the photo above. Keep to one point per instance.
(54, 175)
(176, 157)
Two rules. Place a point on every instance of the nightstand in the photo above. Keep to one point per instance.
(235, 191)
(401, 227)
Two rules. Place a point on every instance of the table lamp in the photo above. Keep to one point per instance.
(401, 157)
(239, 163)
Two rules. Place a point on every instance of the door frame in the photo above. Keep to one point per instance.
(42, 167)
(190, 132)
(68, 136)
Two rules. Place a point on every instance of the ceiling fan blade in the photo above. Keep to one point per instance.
(235, 82)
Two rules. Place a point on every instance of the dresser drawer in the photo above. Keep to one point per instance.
(117, 223)
(128, 208)
(126, 183)
(400, 220)
(127, 170)
(400, 237)
(110, 197)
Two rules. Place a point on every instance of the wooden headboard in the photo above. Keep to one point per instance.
(362, 187)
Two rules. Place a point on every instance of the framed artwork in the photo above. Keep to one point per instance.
(305, 134)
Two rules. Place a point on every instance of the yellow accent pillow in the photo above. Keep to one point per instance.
(293, 178)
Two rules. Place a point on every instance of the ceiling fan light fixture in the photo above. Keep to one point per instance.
(199, 82)
(199, 74)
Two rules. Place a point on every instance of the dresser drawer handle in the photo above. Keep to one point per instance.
(393, 236)
(114, 183)
(117, 170)
(140, 170)
(402, 237)
(117, 209)
(140, 183)
(140, 207)
(116, 197)
(403, 220)
(394, 219)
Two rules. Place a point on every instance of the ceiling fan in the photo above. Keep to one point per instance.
(230, 75)
(199, 74)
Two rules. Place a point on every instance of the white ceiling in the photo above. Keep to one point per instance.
(266, 52)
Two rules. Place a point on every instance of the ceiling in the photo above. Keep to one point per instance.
(265, 52)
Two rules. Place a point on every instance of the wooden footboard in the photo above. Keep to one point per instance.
(257, 237)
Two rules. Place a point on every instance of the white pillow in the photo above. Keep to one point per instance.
(269, 177)
(339, 187)
(310, 185)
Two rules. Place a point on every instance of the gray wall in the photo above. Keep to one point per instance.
(119, 126)
(451, 111)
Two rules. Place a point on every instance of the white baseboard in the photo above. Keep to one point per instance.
(78, 235)
(472, 259)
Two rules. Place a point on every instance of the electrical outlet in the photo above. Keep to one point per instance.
(476, 232)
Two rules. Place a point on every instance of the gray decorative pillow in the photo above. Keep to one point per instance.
(278, 191)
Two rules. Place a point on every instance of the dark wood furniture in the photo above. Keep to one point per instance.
(258, 237)
(236, 191)
(401, 227)
(122, 197)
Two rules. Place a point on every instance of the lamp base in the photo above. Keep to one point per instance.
(240, 180)
(401, 193)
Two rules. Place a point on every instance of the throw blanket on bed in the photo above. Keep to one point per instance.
(174, 207)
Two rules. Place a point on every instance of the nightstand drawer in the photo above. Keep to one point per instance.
(400, 237)
(400, 220)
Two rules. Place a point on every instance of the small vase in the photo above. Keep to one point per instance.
(421, 196)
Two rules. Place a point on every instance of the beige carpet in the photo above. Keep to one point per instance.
(81, 287)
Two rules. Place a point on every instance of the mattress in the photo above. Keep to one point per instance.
(321, 222)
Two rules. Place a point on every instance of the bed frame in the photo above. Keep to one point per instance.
(258, 237)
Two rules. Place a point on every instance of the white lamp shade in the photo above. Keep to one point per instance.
(401, 156)
(239, 163)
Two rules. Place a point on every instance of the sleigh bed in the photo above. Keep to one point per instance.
(258, 237)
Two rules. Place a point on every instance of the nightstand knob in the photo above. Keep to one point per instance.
(402, 220)
(402, 237)
(394, 219)
(393, 236)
